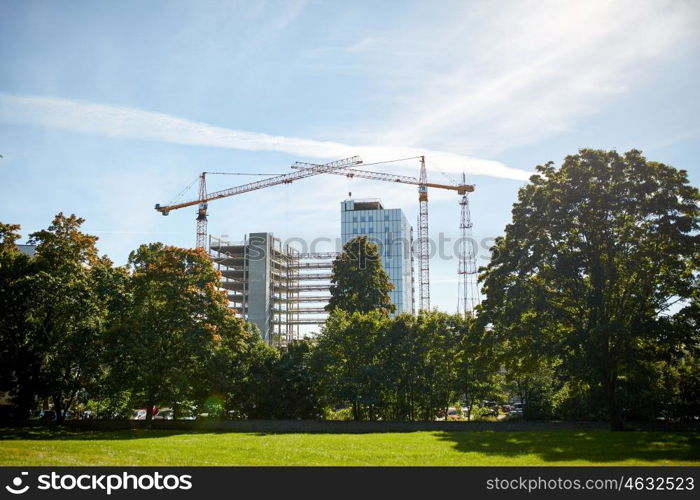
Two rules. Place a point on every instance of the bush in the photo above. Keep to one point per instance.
(576, 400)
(339, 414)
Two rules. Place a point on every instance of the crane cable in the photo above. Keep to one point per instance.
(189, 186)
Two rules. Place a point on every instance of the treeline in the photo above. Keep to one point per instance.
(80, 334)
(591, 311)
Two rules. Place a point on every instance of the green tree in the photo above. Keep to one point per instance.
(8, 236)
(401, 358)
(66, 317)
(233, 358)
(252, 394)
(293, 383)
(18, 362)
(347, 361)
(359, 281)
(165, 342)
(478, 378)
(598, 249)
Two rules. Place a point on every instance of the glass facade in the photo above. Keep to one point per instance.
(390, 231)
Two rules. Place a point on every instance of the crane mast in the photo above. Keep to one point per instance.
(201, 213)
(423, 239)
(467, 291)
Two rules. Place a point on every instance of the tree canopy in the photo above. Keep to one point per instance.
(175, 317)
(597, 252)
(359, 282)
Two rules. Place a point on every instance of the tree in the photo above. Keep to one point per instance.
(8, 236)
(232, 361)
(164, 344)
(438, 336)
(598, 249)
(401, 358)
(293, 383)
(251, 390)
(347, 360)
(477, 377)
(359, 282)
(401, 368)
(17, 360)
(64, 320)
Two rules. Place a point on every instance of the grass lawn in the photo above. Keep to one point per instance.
(39, 446)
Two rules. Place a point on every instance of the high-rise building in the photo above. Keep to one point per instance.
(390, 231)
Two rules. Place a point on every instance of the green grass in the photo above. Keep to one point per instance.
(39, 446)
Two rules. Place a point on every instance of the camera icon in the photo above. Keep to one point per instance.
(17, 483)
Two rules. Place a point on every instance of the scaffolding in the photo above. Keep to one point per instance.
(273, 285)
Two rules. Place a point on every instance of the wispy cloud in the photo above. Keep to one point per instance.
(486, 80)
(133, 123)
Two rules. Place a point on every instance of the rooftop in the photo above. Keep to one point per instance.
(366, 204)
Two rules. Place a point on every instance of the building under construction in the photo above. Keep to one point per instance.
(279, 289)
(273, 285)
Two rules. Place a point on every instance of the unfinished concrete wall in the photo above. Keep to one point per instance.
(259, 305)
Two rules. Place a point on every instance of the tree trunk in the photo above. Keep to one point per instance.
(614, 415)
(355, 411)
(57, 408)
(468, 401)
(24, 401)
(149, 410)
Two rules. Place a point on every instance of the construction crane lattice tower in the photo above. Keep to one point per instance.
(423, 239)
(468, 291)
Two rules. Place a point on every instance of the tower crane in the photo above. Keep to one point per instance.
(422, 182)
(204, 198)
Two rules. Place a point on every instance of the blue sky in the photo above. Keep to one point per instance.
(107, 108)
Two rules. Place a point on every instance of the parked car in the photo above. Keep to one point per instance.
(164, 414)
(140, 414)
(490, 408)
(517, 410)
(453, 414)
(50, 415)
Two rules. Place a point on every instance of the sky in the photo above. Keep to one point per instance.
(107, 108)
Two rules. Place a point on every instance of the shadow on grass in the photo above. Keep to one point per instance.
(593, 446)
(550, 446)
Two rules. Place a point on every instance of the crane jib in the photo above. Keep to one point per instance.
(272, 181)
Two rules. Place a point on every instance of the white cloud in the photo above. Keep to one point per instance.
(132, 123)
(490, 78)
